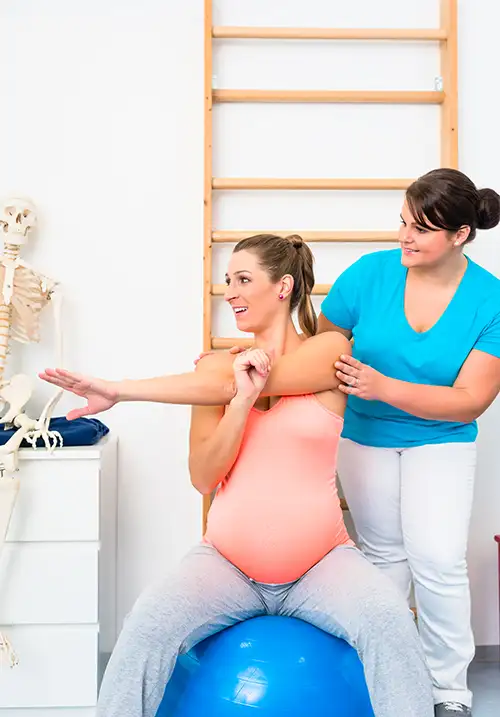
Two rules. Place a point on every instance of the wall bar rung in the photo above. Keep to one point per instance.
(219, 343)
(319, 184)
(318, 289)
(330, 96)
(327, 33)
(227, 237)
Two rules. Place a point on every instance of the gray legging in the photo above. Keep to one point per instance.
(343, 594)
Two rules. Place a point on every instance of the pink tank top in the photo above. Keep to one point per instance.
(278, 513)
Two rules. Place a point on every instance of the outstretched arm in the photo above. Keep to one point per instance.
(214, 386)
(211, 388)
(309, 369)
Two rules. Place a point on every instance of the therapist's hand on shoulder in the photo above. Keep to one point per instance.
(358, 379)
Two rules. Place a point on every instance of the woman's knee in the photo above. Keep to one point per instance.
(153, 614)
(387, 612)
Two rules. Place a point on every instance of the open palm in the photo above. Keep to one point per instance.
(100, 395)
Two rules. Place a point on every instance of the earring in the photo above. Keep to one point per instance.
(281, 296)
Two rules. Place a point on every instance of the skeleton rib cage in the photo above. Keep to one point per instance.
(30, 294)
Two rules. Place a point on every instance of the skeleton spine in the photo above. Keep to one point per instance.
(10, 254)
(5, 319)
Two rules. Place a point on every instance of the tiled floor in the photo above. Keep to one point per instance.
(484, 680)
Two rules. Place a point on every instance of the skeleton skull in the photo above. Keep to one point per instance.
(18, 217)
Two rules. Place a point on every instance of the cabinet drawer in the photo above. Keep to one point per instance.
(57, 667)
(57, 500)
(43, 583)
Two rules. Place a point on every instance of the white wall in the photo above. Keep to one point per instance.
(102, 118)
(103, 125)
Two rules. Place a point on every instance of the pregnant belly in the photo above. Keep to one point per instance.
(276, 542)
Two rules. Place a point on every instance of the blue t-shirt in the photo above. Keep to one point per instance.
(368, 299)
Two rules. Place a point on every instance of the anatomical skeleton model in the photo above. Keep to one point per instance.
(23, 294)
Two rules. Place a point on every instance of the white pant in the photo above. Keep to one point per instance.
(411, 510)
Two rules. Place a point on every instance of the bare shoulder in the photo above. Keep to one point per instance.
(330, 344)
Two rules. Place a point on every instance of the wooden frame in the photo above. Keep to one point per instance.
(207, 183)
(445, 95)
(449, 74)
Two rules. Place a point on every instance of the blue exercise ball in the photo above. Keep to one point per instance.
(268, 667)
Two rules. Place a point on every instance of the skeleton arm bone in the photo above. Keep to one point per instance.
(42, 428)
(56, 299)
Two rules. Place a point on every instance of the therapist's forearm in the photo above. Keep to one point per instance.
(439, 403)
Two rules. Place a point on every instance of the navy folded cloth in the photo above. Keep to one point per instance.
(79, 432)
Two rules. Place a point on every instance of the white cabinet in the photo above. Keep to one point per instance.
(57, 581)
